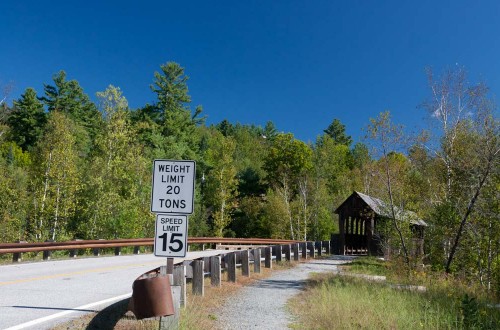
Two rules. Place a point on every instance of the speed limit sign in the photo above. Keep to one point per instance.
(171, 235)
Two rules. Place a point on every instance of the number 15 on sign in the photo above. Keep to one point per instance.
(170, 235)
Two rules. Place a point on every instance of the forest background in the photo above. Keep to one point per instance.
(72, 168)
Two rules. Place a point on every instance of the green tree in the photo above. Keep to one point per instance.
(286, 164)
(68, 97)
(56, 178)
(336, 130)
(221, 186)
(27, 120)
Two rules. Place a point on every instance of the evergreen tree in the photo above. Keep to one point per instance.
(336, 130)
(27, 120)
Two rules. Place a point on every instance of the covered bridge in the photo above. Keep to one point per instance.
(359, 215)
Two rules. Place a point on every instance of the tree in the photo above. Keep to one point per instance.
(27, 120)
(336, 130)
(286, 163)
(68, 97)
(56, 178)
(386, 137)
(221, 181)
(467, 144)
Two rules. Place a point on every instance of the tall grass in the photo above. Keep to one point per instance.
(337, 302)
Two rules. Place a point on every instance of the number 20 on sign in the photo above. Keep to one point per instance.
(170, 235)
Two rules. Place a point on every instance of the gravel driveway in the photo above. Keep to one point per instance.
(262, 304)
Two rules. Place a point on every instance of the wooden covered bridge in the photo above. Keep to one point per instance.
(359, 216)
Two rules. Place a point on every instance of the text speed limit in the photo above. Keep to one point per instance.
(171, 235)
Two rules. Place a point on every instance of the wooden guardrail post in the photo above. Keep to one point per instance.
(172, 321)
(215, 271)
(198, 278)
(180, 280)
(326, 244)
(256, 260)
(310, 246)
(47, 254)
(268, 255)
(245, 262)
(295, 248)
(97, 251)
(303, 249)
(288, 252)
(319, 248)
(18, 256)
(118, 251)
(231, 266)
(137, 250)
(278, 253)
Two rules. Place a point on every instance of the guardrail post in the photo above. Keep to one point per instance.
(310, 246)
(268, 254)
(74, 252)
(47, 254)
(18, 256)
(231, 266)
(118, 251)
(295, 248)
(288, 252)
(172, 321)
(319, 248)
(97, 251)
(245, 263)
(215, 271)
(278, 252)
(256, 260)
(180, 280)
(303, 249)
(326, 244)
(198, 278)
(137, 250)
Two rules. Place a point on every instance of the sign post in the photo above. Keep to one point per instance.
(172, 199)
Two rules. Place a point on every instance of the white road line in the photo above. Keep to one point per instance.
(61, 314)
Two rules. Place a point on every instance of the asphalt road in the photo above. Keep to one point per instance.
(42, 294)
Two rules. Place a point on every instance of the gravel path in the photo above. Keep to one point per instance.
(262, 304)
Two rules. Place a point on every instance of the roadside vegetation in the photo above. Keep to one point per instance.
(341, 301)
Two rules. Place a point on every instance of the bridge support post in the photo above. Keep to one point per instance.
(268, 262)
(256, 260)
(215, 271)
(231, 267)
(245, 263)
(295, 248)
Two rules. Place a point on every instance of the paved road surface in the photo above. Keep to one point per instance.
(42, 294)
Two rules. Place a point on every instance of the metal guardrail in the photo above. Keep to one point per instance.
(22, 247)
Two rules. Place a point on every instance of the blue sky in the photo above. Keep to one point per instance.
(299, 64)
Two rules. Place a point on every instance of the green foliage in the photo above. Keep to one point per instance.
(336, 130)
(27, 120)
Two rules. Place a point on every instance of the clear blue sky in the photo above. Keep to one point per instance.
(298, 63)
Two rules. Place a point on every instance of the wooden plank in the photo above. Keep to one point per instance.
(198, 278)
(268, 254)
(295, 249)
(303, 248)
(231, 267)
(245, 263)
(256, 260)
(215, 271)
(180, 280)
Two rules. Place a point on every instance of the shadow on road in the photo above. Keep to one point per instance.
(109, 317)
